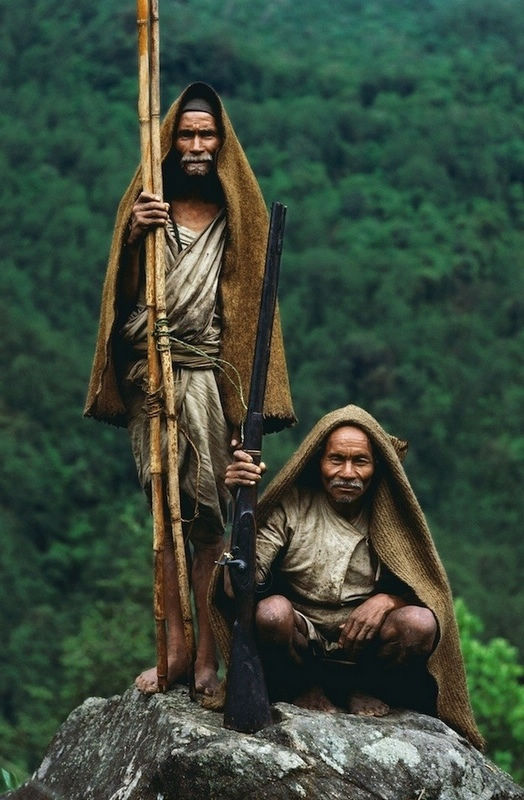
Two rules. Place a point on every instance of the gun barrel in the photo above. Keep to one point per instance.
(266, 315)
(247, 704)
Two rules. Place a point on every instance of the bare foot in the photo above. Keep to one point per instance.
(364, 705)
(315, 700)
(206, 681)
(147, 682)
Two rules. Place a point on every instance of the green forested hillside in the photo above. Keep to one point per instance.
(394, 132)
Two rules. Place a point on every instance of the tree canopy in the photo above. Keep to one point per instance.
(394, 132)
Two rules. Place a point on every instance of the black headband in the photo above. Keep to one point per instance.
(198, 104)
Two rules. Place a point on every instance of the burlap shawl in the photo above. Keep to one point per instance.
(401, 538)
(239, 289)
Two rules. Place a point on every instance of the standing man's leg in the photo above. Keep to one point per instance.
(204, 558)
(204, 530)
(206, 551)
(138, 426)
(177, 656)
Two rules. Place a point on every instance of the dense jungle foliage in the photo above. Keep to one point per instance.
(394, 132)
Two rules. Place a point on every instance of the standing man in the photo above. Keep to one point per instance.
(215, 223)
(355, 610)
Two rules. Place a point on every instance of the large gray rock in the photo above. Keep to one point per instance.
(167, 748)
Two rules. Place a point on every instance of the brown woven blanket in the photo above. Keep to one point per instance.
(239, 288)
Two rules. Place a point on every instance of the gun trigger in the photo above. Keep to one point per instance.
(224, 561)
(228, 560)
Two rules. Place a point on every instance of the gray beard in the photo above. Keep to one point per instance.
(340, 483)
(197, 165)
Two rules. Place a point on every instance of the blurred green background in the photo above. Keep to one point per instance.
(393, 130)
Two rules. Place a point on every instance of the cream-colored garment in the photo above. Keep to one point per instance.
(191, 300)
(324, 560)
(191, 293)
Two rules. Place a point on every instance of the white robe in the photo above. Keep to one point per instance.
(191, 301)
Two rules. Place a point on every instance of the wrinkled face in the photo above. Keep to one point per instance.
(197, 141)
(347, 465)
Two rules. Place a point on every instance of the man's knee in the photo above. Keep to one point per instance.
(275, 619)
(413, 627)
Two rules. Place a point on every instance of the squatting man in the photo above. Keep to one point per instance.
(355, 609)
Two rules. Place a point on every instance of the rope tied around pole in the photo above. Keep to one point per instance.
(215, 362)
(160, 331)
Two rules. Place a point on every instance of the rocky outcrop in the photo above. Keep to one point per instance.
(165, 747)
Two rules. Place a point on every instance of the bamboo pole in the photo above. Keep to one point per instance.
(157, 492)
(163, 344)
(159, 353)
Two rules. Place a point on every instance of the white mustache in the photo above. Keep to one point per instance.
(189, 159)
(340, 483)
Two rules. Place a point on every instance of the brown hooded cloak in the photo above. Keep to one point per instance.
(240, 284)
(401, 538)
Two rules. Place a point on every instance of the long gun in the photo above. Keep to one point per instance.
(247, 703)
